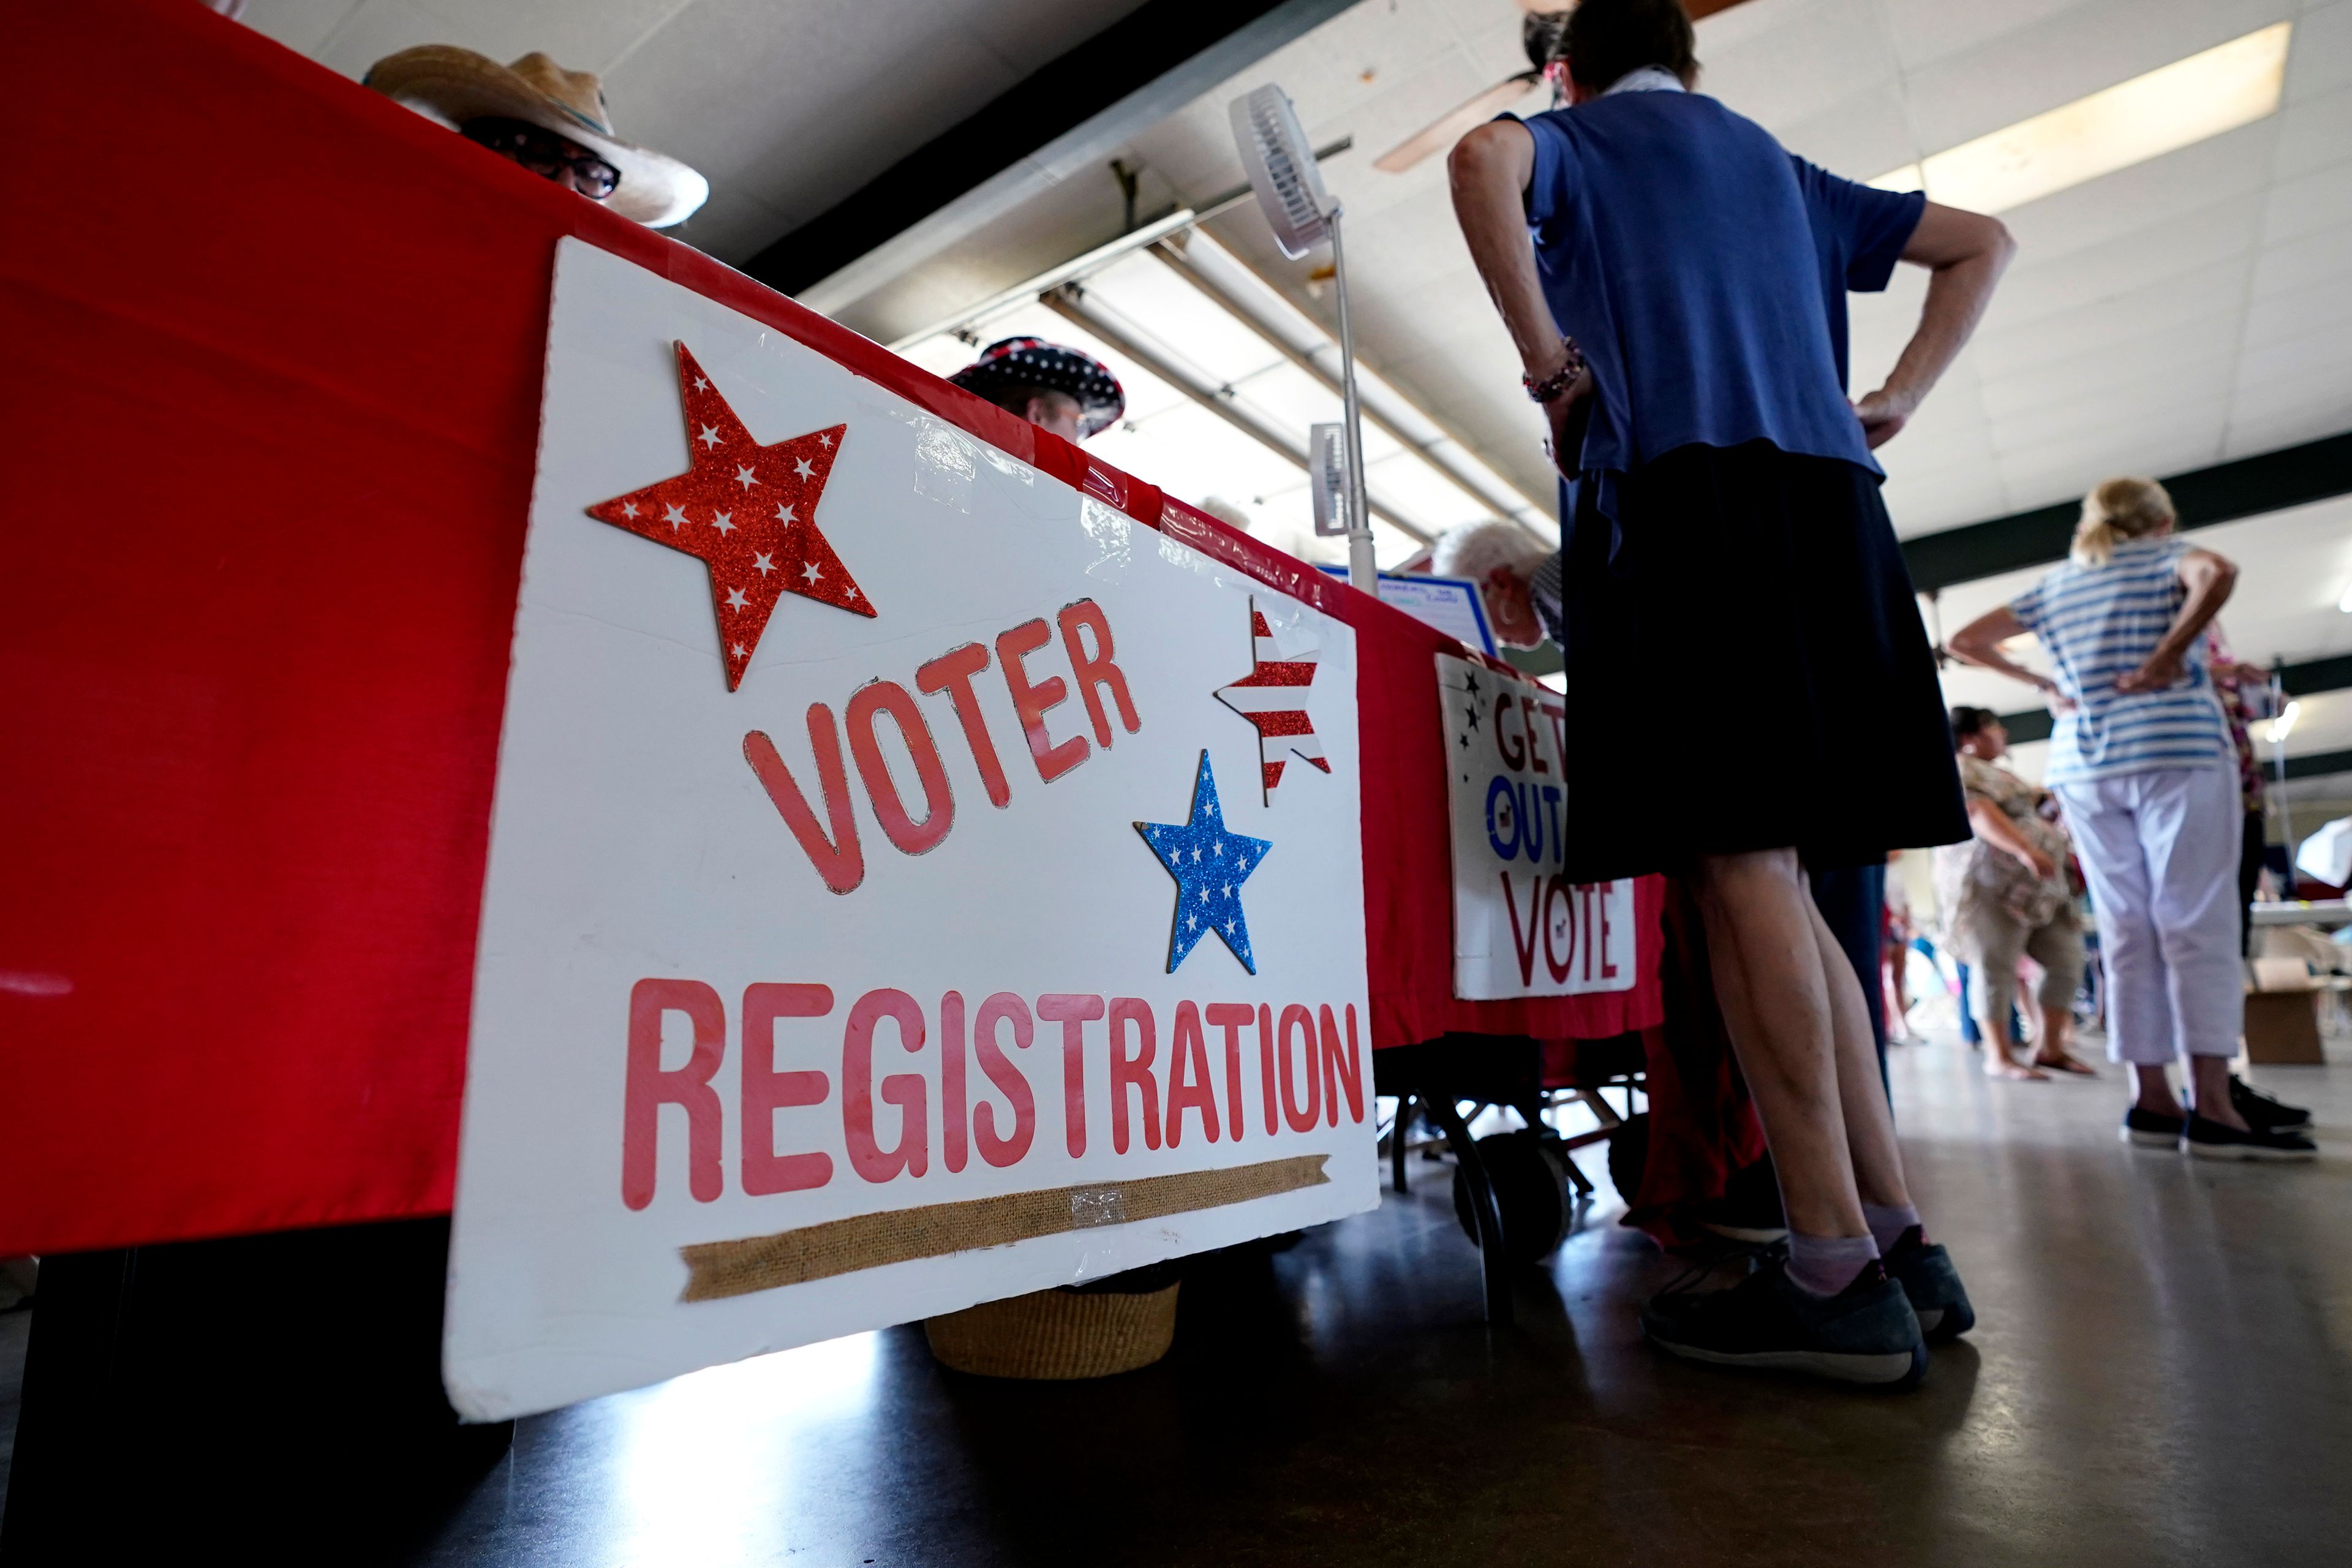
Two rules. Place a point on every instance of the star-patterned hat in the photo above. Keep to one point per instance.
(458, 85)
(1033, 362)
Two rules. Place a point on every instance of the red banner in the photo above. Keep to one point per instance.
(272, 416)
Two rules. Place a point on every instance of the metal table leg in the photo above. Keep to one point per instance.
(1493, 1266)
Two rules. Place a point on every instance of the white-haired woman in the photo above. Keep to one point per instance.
(1502, 558)
(2143, 768)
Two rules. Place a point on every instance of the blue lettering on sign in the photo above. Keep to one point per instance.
(1516, 817)
(1513, 815)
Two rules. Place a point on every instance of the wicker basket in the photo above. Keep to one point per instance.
(1057, 1335)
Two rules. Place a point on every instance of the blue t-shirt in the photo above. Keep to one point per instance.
(2100, 622)
(1703, 270)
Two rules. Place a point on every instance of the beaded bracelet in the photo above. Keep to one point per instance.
(1560, 379)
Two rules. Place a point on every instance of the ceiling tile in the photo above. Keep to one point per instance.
(2037, 288)
(2321, 199)
(2319, 62)
(2315, 134)
(1812, 58)
(1926, 31)
(2024, 71)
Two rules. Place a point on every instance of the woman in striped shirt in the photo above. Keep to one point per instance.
(2142, 766)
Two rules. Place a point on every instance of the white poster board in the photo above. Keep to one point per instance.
(1520, 927)
(1448, 605)
(845, 996)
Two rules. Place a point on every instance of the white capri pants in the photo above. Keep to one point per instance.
(2160, 852)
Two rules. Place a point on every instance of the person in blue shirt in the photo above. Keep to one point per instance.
(1748, 678)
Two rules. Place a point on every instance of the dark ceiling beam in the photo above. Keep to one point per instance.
(2319, 764)
(2292, 476)
(1143, 67)
(2303, 679)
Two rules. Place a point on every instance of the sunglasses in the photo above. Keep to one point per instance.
(542, 152)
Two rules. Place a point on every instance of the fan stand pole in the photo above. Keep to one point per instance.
(1363, 571)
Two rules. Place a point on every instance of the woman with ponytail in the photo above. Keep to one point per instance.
(2144, 771)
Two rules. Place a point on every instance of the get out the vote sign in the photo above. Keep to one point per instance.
(1520, 927)
(911, 882)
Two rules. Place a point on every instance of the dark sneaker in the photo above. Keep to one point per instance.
(1931, 1284)
(2256, 1109)
(2147, 1129)
(1865, 1333)
(2212, 1140)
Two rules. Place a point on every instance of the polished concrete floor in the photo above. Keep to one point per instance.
(2162, 1374)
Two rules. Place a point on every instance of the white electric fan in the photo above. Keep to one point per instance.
(1290, 191)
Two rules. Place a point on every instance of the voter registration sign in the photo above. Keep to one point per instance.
(891, 906)
(1520, 927)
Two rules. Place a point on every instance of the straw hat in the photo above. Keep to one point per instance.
(656, 189)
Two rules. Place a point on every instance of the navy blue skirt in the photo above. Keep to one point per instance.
(1746, 670)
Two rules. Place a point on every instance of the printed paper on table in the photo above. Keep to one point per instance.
(843, 998)
(1520, 927)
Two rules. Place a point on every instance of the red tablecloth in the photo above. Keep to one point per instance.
(274, 349)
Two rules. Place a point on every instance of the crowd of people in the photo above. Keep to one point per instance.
(1674, 283)
(1653, 256)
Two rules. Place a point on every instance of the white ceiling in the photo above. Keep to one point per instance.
(787, 108)
(2195, 308)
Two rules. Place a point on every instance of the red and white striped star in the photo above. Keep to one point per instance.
(1273, 697)
(747, 512)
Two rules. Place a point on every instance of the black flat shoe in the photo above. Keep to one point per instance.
(2212, 1140)
(2256, 1109)
(2147, 1130)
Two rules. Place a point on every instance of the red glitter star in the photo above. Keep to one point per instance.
(747, 512)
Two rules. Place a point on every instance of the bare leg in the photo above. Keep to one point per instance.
(1862, 1093)
(2050, 1048)
(2154, 1085)
(2211, 1076)
(1768, 966)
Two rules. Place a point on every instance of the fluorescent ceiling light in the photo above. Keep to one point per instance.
(2168, 109)
(2345, 603)
(2284, 724)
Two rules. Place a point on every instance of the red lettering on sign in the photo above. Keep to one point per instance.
(1232, 1018)
(1001, 1072)
(1266, 1069)
(1188, 1076)
(1033, 699)
(954, 1139)
(650, 1087)
(1133, 1072)
(1073, 1013)
(837, 858)
(1092, 670)
(906, 1090)
(1343, 1068)
(767, 1091)
(1301, 1117)
(951, 672)
(1558, 888)
(1528, 727)
(912, 837)
(1513, 747)
(1524, 946)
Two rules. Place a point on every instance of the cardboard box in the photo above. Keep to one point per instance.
(2283, 1029)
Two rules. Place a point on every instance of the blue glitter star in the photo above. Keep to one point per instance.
(1210, 864)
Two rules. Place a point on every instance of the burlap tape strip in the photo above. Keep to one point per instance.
(722, 1269)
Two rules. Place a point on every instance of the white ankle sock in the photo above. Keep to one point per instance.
(1825, 1265)
(1887, 1223)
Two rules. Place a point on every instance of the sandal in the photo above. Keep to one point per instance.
(2067, 1063)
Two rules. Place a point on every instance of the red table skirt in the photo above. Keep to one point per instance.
(274, 350)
